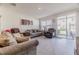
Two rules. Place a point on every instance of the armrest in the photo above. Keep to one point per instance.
(14, 49)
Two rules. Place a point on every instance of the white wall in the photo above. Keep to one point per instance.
(11, 19)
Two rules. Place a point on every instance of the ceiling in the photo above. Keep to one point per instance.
(39, 10)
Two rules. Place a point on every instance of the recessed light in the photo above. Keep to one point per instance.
(39, 8)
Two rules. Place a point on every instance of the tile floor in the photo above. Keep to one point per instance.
(55, 46)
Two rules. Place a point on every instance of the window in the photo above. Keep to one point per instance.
(45, 24)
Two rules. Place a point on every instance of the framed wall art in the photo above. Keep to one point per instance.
(26, 22)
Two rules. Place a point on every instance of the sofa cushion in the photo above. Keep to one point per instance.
(15, 30)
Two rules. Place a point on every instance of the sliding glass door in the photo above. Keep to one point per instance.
(61, 26)
(66, 26)
(71, 26)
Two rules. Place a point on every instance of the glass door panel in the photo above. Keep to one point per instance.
(66, 26)
(43, 25)
(61, 23)
(71, 26)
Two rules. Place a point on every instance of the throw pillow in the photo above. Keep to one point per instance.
(12, 40)
(4, 41)
(22, 39)
(17, 35)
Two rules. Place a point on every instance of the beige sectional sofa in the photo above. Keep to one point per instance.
(24, 48)
(17, 44)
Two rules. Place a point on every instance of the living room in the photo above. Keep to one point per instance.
(41, 27)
